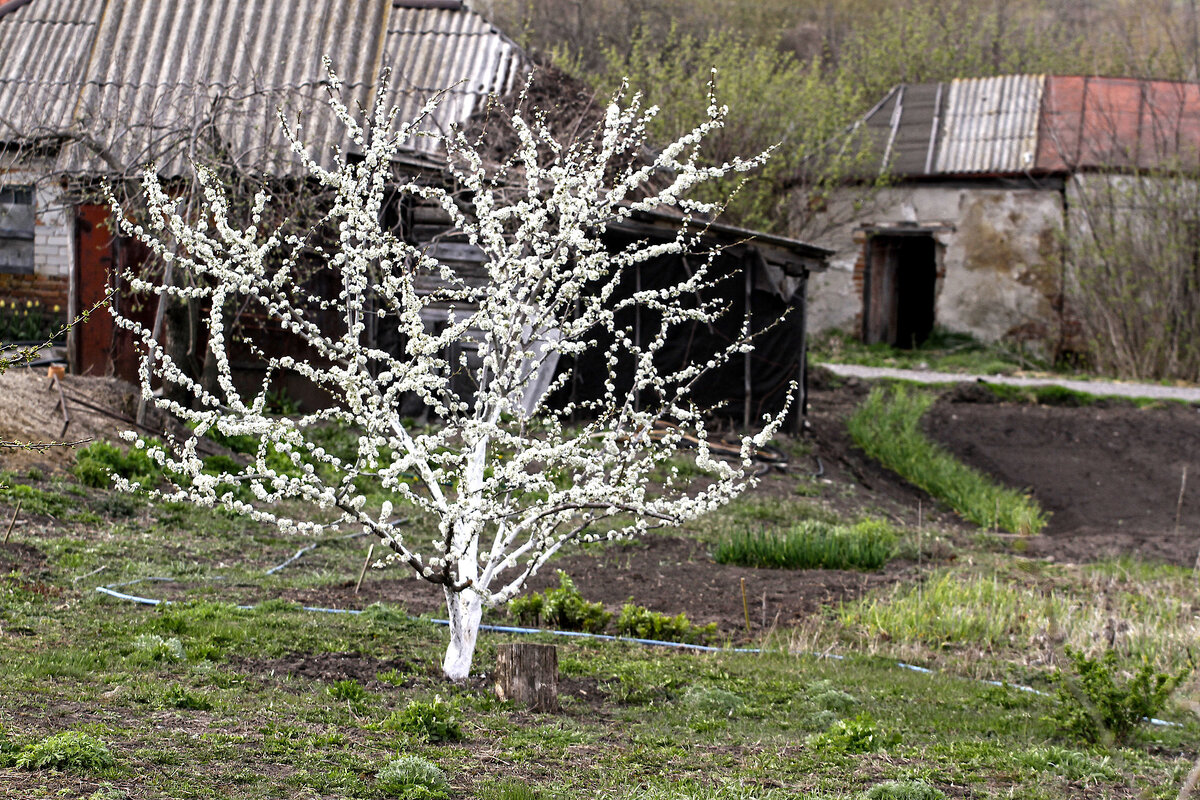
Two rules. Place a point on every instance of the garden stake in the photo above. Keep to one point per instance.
(745, 607)
(12, 522)
(1179, 505)
(366, 564)
(920, 525)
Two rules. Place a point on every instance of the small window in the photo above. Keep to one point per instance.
(16, 229)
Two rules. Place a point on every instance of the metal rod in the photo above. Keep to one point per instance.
(1179, 505)
(745, 607)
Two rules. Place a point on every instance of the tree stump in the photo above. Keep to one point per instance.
(528, 674)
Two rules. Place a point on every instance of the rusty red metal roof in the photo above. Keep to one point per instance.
(1034, 124)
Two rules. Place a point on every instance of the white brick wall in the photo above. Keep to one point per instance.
(54, 239)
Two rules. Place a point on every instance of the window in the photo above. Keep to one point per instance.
(16, 229)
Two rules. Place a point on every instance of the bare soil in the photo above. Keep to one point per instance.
(1110, 474)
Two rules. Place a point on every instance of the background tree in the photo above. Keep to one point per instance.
(508, 481)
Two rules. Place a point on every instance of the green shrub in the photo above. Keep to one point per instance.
(641, 623)
(904, 790)
(888, 428)
(98, 462)
(69, 750)
(857, 735)
(563, 608)
(1094, 706)
(412, 778)
(812, 544)
(432, 722)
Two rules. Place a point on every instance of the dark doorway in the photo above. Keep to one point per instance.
(898, 288)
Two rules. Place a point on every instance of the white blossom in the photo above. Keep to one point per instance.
(508, 478)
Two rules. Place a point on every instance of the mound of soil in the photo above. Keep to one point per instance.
(29, 412)
(1110, 475)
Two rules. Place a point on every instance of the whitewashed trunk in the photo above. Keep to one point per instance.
(465, 609)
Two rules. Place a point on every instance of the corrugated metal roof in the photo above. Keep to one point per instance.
(148, 80)
(433, 49)
(990, 125)
(1018, 124)
(1119, 122)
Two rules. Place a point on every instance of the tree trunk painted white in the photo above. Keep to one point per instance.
(465, 609)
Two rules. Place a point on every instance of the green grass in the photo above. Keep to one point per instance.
(887, 427)
(942, 352)
(202, 699)
(812, 544)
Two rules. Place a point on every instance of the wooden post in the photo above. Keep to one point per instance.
(528, 674)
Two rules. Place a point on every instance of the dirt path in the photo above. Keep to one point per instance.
(1188, 394)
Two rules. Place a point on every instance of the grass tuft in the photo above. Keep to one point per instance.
(412, 778)
(812, 544)
(887, 428)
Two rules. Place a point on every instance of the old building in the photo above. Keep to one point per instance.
(972, 228)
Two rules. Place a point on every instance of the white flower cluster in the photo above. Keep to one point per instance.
(506, 476)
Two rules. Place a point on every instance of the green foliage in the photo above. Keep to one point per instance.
(411, 777)
(182, 698)
(150, 647)
(943, 351)
(8, 750)
(511, 790)
(768, 90)
(712, 700)
(1095, 706)
(858, 735)
(563, 608)
(68, 751)
(36, 501)
(1071, 764)
(904, 790)
(29, 321)
(641, 623)
(888, 428)
(434, 721)
(98, 462)
(349, 690)
(812, 544)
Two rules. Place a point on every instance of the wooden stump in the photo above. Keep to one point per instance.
(528, 674)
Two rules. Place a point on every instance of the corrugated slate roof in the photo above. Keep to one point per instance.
(142, 78)
(430, 50)
(1016, 124)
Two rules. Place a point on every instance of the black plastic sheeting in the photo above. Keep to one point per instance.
(777, 325)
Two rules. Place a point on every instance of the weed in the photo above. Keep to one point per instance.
(825, 696)
(857, 735)
(904, 790)
(641, 623)
(711, 700)
(511, 790)
(563, 608)
(411, 777)
(1070, 764)
(812, 544)
(152, 647)
(179, 697)
(8, 750)
(1095, 707)
(433, 722)
(887, 427)
(349, 690)
(98, 462)
(36, 501)
(69, 750)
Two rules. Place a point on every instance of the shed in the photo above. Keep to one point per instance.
(969, 231)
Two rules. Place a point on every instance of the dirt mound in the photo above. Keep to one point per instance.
(1110, 476)
(29, 412)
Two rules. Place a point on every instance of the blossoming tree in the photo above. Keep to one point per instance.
(508, 480)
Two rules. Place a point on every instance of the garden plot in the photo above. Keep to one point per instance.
(203, 699)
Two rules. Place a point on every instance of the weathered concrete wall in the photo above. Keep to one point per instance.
(998, 259)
